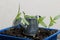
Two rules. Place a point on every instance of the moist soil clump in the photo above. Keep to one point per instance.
(18, 32)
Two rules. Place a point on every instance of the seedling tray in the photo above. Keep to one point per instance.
(8, 37)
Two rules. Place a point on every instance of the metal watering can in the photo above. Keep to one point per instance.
(32, 28)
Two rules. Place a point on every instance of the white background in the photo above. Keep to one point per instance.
(8, 10)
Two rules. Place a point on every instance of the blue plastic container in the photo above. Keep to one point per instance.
(7, 37)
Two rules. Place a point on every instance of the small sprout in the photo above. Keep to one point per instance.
(41, 21)
(52, 22)
(17, 18)
(20, 19)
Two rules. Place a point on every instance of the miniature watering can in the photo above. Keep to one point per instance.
(32, 28)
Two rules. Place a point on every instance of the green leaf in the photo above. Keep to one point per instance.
(18, 15)
(43, 24)
(41, 19)
(57, 17)
(52, 22)
(25, 21)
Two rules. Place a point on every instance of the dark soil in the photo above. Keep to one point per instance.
(18, 32)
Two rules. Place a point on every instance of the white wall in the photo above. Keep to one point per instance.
(8, 10)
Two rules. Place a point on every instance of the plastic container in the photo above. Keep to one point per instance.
(7, 37)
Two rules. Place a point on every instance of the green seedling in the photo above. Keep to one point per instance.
(53, 20)
(19, 13)
(41, 21)
(20, 19)
(17, 19)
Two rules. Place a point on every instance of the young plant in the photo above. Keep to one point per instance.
(20, 20)
(41, 21)
(53, 20)
(17, 19)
